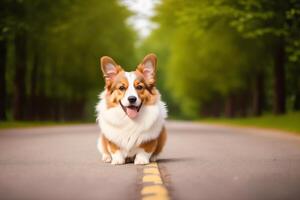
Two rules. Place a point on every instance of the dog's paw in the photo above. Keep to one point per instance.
(118, 161)
(106, 158)
(117, 158)
(141, 160)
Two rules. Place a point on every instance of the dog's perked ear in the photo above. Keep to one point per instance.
(148, 68)
(109, 68)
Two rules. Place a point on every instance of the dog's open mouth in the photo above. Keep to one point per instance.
(131, 111)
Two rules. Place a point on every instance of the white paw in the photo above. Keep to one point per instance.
(106, 158)
(118, 161)
(117, 158)
(153, 158)
(141, 160)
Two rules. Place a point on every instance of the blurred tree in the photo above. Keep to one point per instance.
(5, 23)
(158, 42)
(222, 49)
(279, 22)
(192, 57)
(56, 49)
(275, 24)
(3, 94)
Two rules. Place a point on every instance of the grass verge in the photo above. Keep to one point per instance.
(26, 124)
(288, 122)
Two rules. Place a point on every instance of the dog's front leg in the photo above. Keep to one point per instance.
(116, 154)
(144, 152)
(142, 157)
(117, 158)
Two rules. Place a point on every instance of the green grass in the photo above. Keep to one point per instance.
(27, 124)
(288, 122)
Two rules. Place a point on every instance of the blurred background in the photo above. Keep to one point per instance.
(216, 58)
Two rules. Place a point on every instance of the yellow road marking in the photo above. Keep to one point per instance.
(154, 188)
(153, 164)
(152, 178)
(151, 171)
(156, 198)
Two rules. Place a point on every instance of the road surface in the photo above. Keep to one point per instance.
(200, 161)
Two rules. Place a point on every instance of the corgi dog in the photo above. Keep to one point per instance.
(130, 113)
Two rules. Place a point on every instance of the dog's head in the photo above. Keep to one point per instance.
(130, 90)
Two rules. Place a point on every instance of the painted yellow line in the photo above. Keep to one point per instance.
(153, 188)
(156, 198)
(152, 170)
(153, 164)
(152, 179)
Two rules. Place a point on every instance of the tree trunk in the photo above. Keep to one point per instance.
(33, 86)
(296, 106)
(20, 74)
(279, 78)
(216, 107)
(243, 103)
(3, 49)
(258, 94)
(229, 107)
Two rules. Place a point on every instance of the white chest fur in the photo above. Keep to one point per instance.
(128, 133)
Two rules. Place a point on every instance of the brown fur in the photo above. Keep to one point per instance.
(114, 94)
(104, 144)
(161, 141)
(149, 93)
(109, 145)
(149, 146)
(150, 77)
(155, 146)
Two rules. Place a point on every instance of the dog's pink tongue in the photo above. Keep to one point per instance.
(131, 112)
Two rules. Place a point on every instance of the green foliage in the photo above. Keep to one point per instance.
(217, 49)
(158, 43)
(31, 124)
(65, 40)
(214, 55)
(194, 73)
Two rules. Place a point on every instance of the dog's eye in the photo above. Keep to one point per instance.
(139, 87)
(122, 88)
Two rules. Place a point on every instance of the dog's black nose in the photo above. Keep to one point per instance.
(132, 99)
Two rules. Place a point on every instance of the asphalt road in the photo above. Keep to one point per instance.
(199, 162)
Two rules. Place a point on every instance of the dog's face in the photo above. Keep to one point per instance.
(130, 90)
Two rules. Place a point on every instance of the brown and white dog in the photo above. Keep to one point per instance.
(130, 113)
